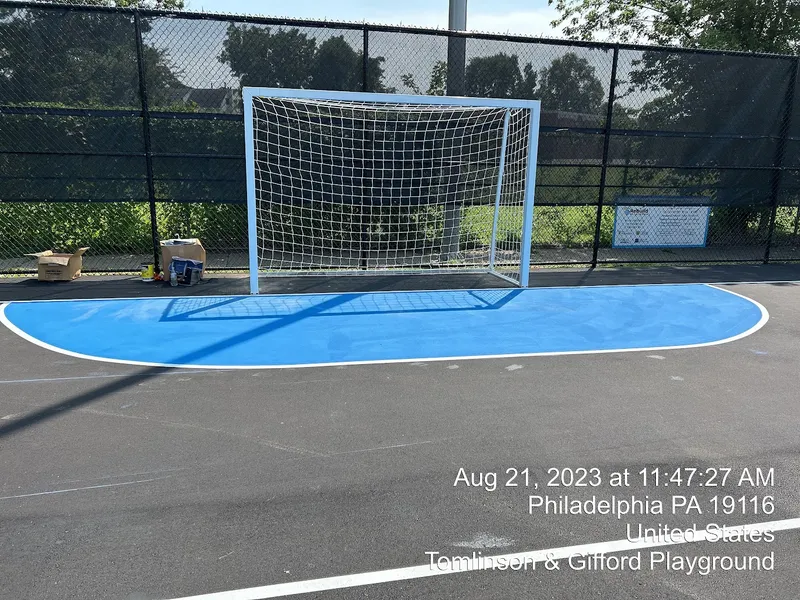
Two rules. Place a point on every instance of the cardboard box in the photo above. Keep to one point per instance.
(59, 267)
(189, 248)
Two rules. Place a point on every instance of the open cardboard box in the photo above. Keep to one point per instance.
(183, 248)
(59, 267)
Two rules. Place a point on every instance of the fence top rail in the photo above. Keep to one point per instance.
(263, 20)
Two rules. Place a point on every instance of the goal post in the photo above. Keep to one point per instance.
(365, 183)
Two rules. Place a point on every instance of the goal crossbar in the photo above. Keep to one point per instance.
(419, 152)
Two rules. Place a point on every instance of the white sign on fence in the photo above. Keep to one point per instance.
(660, 226)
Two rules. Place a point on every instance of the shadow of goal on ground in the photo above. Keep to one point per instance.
(303, 330)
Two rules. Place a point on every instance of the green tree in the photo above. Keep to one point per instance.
(288, 58)
(495, 76)
(570, 84)
(336, 66)
(259, 57)
(438, 83)
(527, 87)
(67, 59)
(375, 81)
(704, 93)
(76, 58)
(756, 26)
(437, 86)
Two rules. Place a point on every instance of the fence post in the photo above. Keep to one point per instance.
(148, 153)
(604, 166)
(780, 151)
(365, 62)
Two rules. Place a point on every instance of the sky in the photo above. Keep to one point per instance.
(518, 17)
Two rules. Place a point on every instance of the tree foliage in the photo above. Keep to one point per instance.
(697, 92)
(437, 85)
(496, 76)
(705, 93)
(90, 60)
(260, 57)
(750, 25)
(570, 84)
(289, 58)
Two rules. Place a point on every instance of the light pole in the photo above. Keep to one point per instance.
(456, 58)
(456, 48)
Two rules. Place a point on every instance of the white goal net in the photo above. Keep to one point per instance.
(342, 182)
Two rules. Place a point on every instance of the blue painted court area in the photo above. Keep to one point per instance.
(318, 329)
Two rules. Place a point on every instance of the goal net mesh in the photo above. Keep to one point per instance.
(363, 186)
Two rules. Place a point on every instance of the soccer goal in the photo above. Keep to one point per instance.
(358, 183)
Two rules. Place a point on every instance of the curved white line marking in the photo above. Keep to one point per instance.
(761, 322)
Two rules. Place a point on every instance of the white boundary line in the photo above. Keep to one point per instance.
(281, 590)
(86, 377)
(5, 321)
(80, 489)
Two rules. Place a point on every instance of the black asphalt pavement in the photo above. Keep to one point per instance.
(134, 483)
(129, 286)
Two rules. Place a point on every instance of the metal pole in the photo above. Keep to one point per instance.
(456, 48)
(780, 151)
(457, 19)
(250, 174)
(530, 190)
(456, 61)
(148, 153)
(493, 247)
(606, 144)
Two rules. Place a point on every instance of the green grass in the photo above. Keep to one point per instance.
(553, 226)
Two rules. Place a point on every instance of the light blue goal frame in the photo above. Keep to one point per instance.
(534, 106)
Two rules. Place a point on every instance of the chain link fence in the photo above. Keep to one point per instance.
(124, 127)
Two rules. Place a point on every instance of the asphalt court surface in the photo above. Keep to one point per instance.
(131, 482)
